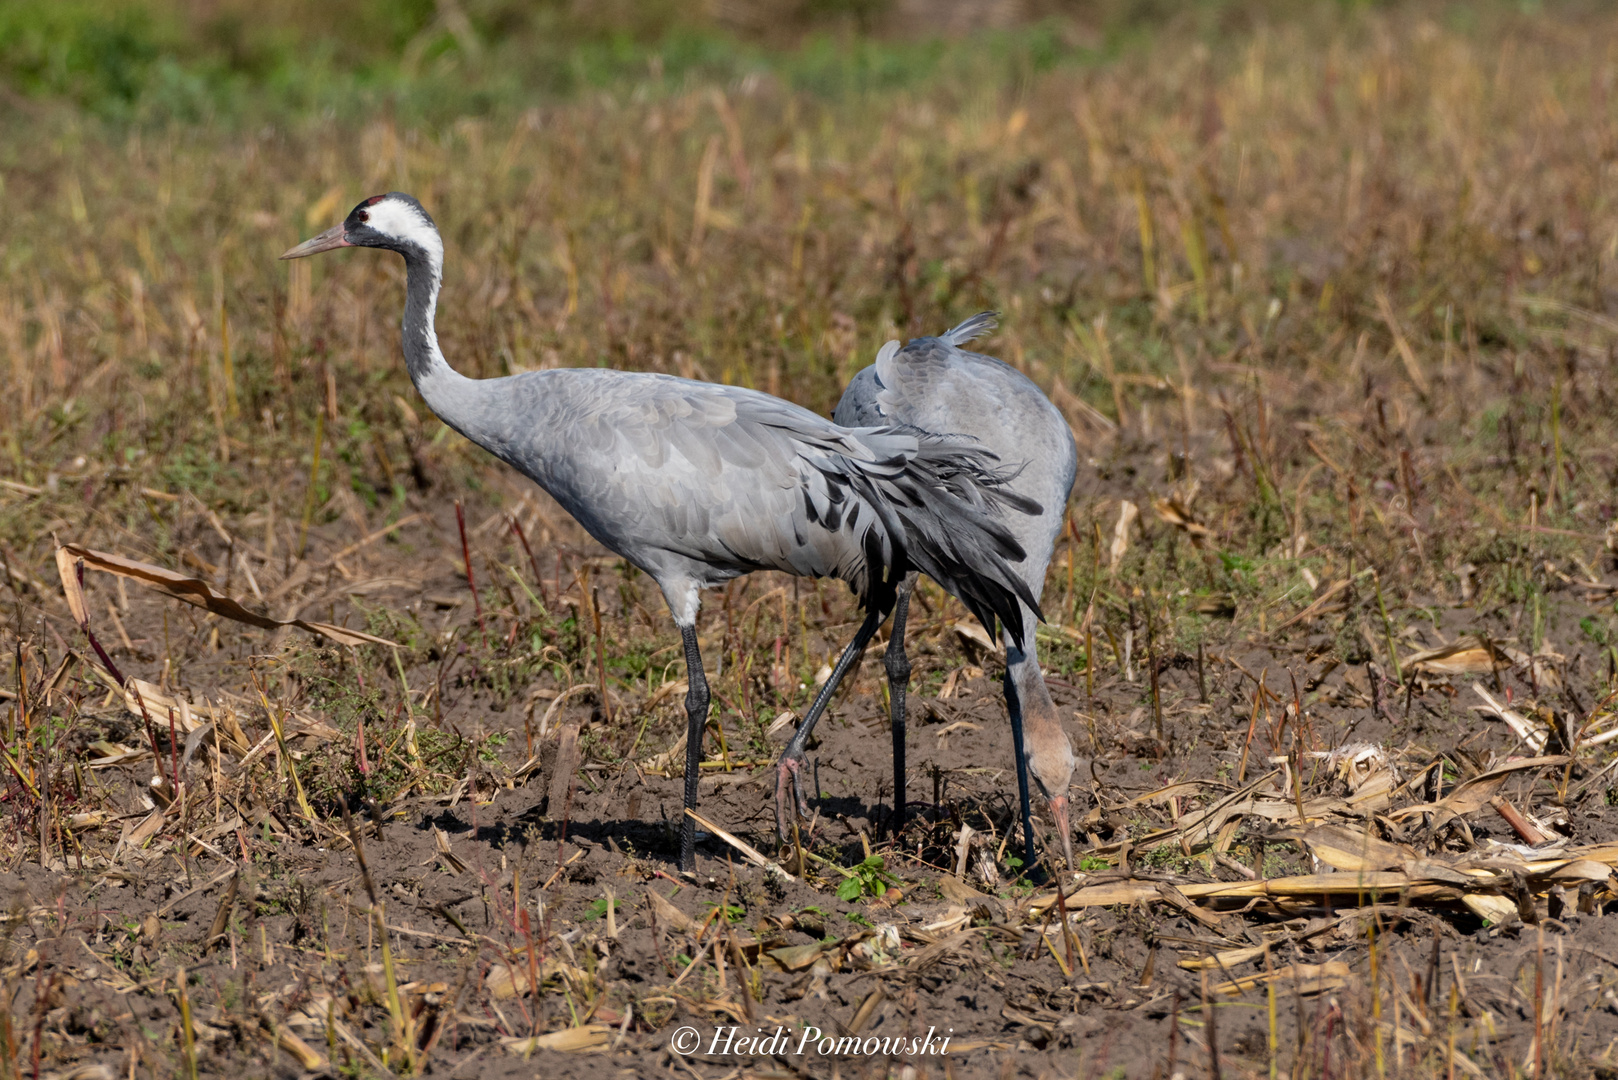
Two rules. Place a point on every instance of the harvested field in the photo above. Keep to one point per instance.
(333, 747)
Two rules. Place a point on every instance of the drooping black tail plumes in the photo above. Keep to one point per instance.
(939, 507)
(951, 515)
(938, 502)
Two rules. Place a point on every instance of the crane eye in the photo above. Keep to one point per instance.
(363, 215)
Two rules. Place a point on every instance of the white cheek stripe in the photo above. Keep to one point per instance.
(404, 222)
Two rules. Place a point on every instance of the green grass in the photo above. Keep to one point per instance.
(160, 61)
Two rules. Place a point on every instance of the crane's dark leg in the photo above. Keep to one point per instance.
(696, 719)
(897, 663)
(789, 771)
(1014, 709)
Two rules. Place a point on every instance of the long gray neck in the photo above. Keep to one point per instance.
(457, 400)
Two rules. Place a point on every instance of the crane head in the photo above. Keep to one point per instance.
(395, 221)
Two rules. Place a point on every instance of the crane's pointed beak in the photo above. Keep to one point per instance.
(331, 238)
(1059, 812)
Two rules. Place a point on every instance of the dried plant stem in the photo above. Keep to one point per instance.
(1376, 1001)
(285, 752)
(1556, 442)
(1274, 1027)
(1539, 1005)
(410, 713)
(188, 1039)
(1067, 931)
(1449, 1044)
(466, 558)
(1210, 1029)
(1148, 262)
(539, 578)
(1090, 663)
(228, 364)
(1252, 725)
(587, 597)
(1174, 1033)
(1387, 630)
(403, 1036)
(314, 482)
(1151, 660)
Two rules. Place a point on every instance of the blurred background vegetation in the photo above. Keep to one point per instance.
(1393, 222)
(248, 60)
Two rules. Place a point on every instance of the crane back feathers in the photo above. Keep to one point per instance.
(699, 482)
(934, 385)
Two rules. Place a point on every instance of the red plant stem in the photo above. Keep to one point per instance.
(533, 970)
(1151, 658)
(539, 579)
(359, 746)
(533, 1024)
(1539, 1009)
(466, 554)
(151, 729)
(1297, 711)
(106, 661)
(22, 693)
(1519, 824)
(1325, 1046)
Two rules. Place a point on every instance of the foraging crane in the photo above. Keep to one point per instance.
(934, 385)
(697, 483)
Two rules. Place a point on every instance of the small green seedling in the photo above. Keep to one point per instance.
(733, 913)
(867, 880)
(598, 908)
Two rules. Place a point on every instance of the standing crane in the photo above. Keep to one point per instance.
(697, 483)
(932, 384)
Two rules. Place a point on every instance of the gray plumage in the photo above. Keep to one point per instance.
(696, 483)
(933, 384)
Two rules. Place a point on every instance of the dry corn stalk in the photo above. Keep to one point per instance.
(192, 590)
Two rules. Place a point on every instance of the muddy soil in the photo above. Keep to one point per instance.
(270, 915)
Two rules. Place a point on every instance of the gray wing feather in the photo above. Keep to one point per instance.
(706, 482)
(976, 326)
(933, 384)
